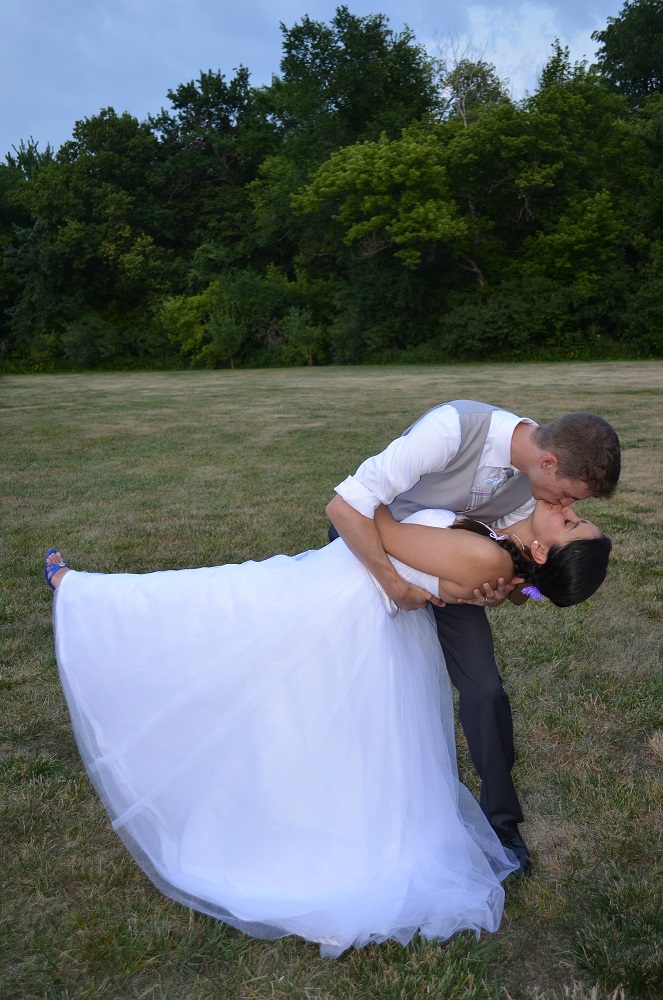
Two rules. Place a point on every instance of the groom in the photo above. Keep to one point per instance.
(483, 462)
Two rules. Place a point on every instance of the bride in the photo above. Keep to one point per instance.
(274, 742)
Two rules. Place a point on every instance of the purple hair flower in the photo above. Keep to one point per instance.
(533, 592)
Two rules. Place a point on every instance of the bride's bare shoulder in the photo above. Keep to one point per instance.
(455, 555)
(477, 560)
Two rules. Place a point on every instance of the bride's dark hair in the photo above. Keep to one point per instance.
(570, 574)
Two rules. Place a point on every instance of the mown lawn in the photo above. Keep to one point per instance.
(155, 471)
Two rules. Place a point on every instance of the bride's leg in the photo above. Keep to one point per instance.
(54, 569)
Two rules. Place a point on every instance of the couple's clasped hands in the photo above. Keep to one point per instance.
(413, 597)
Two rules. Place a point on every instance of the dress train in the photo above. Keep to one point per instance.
(277, 751)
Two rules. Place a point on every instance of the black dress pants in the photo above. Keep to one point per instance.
(485, 712)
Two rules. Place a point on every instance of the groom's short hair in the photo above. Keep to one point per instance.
(587, 449)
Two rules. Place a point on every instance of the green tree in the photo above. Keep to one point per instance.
(390, 195)
(94, 247)
(19, 168)
(227, 327)
(630, 53)
(585, 237)
(15, 173)
(39, 312)
(469, 86)
(302, 337)
(238, 314)
(212, 142)
(642, 324)
(349, 80)
(380, 310)
(27, 159)
(185, 321)
(340, 83)
(582, 136)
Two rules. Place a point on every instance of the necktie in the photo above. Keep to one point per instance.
(483, 490)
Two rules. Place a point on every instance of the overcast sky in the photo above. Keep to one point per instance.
(63, 61)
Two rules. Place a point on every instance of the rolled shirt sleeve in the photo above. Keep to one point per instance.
(428, 447)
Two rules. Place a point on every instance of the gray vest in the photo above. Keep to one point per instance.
(450, 487)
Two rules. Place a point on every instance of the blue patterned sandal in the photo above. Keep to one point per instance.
(50, 569)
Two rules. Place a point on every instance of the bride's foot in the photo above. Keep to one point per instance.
(54, 568)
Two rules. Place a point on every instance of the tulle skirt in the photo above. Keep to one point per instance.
(276, 751)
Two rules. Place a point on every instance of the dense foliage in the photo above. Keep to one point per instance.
(371, 204)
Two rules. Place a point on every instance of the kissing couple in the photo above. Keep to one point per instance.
(274, 741)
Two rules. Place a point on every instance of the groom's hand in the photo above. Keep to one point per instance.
(489, 597)
(411, 597)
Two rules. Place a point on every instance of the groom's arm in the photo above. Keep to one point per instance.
(429, 446)
(361, 536)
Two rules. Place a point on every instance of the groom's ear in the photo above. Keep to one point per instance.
(548, 461)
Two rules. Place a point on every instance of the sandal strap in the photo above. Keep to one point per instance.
(50, 569)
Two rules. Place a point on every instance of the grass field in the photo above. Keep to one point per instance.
(155, 471)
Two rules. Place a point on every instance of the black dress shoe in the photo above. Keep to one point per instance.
(510, 838)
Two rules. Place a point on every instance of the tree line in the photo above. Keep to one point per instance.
(372, 204)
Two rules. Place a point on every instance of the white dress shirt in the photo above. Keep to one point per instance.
(429, 447)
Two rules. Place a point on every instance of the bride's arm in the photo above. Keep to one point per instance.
(461, 560)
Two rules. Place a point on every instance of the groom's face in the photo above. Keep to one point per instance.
(548, 485)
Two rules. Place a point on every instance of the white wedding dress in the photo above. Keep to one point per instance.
(275, 747)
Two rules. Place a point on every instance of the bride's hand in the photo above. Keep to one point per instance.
(487, 597)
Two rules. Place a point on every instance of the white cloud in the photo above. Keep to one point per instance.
(518, 40)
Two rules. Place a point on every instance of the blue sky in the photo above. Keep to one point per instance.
(61, 62)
